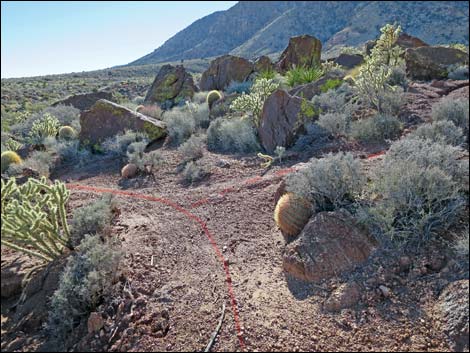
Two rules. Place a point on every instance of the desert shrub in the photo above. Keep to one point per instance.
(331, 182)
(336, 101)
(398, 77)
(376, 129)
(427, 154)
(118, 144)
(194, 172)
(180, 125)
(153, 111)
(34, 218)
(455, 110)
(200, 97)
(139, 100)
(68, 152)
(91, 218)
(39, 161)
(458, 72)
(442, 131)
(232, 135)
(199, 113)
(193, 148)
(299, 75)
(350, 50)
(335, 123)
(144, 161)
(331, 84)
(87, 278)
(417, 201)
(47, 126)
(239, 87)
(461, 244)
(371, 84)
(253, 103)
(315, 137)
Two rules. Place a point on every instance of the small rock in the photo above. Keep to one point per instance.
(345, 296)
(404, 263)
(386, 292)
(95, 322)
(222, 163)
(129, 171)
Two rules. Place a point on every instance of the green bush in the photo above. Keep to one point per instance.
(331, 182)
(91, 218)
(193, 148)
(376, 129)
(455, 110)
(87, 279)
(268, 74)
(299, 75)
(335, 123)
(441, 131)
(232, 135)
(180, 125)
(118, 144)
(331, 84)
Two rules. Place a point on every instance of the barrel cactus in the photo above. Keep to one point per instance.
(212, 97)
(66, 133)
(9, 158)
(292, 213)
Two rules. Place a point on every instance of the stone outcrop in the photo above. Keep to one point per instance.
(224, 70)
(172, 86)
(349, 60)
(302, 51)
(106, 119)
(428, 63)
(263, 63)
(85, 101)
(330, 244)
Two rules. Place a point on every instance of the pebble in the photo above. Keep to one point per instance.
(386, 292)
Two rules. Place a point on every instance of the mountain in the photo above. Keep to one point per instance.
(254, 28)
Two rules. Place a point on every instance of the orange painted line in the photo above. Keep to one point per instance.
(192, 217)
(253, 180)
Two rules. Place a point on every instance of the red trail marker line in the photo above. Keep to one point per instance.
(192, 217)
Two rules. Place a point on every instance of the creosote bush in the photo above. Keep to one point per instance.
(88, 277)
(232, 135)
(331, 182)
(376, 129)
(455, 110)
(335, 123)
(441, 131)
(194, 172)
(91, 218)
(193, 148)
(180, 125)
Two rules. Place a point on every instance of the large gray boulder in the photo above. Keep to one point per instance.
(428, 63)
(302, 51)
(224, 70)
(106, 119)
(330, 244)
(172, 86)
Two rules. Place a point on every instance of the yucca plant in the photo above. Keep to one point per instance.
(299, 75)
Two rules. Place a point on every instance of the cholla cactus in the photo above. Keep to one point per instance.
(253, 102)
(13, 145)
(292, 213)
(47, 126)
(67, 133)
(9, 158)
(371, 83)
(212, 97)
(34, 218)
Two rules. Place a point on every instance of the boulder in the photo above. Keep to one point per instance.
(263, 63)
(15, 267)
(427, 63)
(86, 100)
(311, 89)
(345, 296)
(280, 120)
(349, 60)
(302, 51)
(330, 244)
(452, 316)
(224, 70)
(129, 171)
(405, 41)
(106, 119)
(172, 86)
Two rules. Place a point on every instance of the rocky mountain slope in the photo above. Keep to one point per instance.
(254, 28)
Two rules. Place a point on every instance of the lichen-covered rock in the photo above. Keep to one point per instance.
(281, 120)
(452, 314)
(172, 86)
(302, 51)
(349, 60)
(224, 70)
(427, 63)
(86, 100)
(263, 63)
(106, 119)
(330, 243)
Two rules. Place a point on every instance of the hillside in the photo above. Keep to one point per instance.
(254, 28)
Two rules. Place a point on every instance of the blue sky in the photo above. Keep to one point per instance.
(52, 37)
